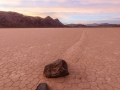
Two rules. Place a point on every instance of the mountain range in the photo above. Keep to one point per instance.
(14, 19)
(17, 20)
(93, 25)
(102, 25)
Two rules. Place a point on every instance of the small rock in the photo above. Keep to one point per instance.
(42, 86)
(56, 69)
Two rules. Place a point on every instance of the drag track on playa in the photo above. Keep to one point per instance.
(92, 54)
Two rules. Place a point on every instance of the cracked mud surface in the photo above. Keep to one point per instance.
(92, 54)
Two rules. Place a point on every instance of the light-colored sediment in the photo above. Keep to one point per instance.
(92, 54)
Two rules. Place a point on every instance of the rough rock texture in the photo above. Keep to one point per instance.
(42, 86)
(56, 69)
(14, 19)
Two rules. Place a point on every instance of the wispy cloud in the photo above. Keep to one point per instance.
(82, 10)
(10, 2)
(99, 1)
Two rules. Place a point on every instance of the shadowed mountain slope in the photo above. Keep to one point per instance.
(14, 19)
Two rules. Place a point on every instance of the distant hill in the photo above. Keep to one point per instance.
(76, 25)
(14, 19)
(103, 25)
(93, 25)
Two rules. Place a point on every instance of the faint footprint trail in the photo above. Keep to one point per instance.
(73, 53)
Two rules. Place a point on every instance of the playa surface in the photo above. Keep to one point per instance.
(92, 54)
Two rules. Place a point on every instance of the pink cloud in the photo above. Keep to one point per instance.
(99, 1)
(10, 2)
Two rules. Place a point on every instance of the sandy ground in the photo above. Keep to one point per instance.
(92, 54)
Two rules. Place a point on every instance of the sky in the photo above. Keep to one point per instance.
(68, 11)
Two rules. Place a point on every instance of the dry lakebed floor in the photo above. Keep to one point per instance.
(92, 55)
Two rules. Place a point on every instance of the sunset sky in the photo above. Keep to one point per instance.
(67, 11)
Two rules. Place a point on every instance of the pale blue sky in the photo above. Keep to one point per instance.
(68, 11)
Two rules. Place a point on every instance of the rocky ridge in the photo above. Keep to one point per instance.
(14, 19)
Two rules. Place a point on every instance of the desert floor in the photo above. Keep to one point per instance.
(92, 54)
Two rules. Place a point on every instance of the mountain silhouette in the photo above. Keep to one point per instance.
(14, 19)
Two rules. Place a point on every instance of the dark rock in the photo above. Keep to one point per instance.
(42, 86)
(56, 69)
